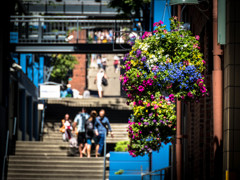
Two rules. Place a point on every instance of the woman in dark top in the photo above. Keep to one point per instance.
(89, 129)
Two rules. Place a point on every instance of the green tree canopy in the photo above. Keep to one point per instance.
(132, 9)
(62, 65)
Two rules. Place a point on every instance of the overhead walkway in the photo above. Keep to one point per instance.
(69, 7)
(69, 34)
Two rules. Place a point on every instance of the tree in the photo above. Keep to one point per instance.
(62, 65)
(133, 9)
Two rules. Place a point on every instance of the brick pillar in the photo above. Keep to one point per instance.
(79, 72)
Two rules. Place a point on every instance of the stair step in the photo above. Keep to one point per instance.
(58, 175)
(54, 158)
(58, 166)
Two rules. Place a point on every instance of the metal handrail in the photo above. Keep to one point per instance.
(156, 171)
(104, 162)
(5, 156)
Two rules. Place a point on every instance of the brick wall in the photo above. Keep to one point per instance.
(199, 118)
(79, 72)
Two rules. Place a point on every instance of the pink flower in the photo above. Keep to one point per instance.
(152, 97)
(155, 31)
(197, 37)
(190, 94)
(169, 86)
(141, 88)
(157, 23)
(139, 123)
(165, 31)
(171, 97)
(155, 106)
(148, 105)
(146, 34)
(155, 77)
(204, 62)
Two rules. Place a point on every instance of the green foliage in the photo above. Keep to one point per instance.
(62, 64)
(129, 8)
(119, 172)
(121, 146)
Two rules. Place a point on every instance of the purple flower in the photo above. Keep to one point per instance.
(141, 88)
(154, 121)
(125, 58)
(150, 114)
(146, 123)
(138, 53)
(144, 58)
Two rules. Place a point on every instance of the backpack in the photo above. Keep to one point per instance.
(104, 81)
(89, 128)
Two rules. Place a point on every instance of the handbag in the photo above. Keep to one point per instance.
(104, 81)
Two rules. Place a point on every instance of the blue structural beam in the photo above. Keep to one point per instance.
(23, 62)
(29, 60)
(41, 70)
(35, 73)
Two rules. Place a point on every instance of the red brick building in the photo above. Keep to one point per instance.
(78, 80)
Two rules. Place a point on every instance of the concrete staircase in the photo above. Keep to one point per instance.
(113, 88)
(51, 158)
(119, 130)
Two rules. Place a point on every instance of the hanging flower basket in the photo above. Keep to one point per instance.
(160, 62)
(152, 123)
(167, 61)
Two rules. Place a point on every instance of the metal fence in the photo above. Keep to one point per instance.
(66, 29)
(161, 174)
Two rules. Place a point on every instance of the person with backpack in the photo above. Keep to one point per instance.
(101, 127)
(89, 127)
(101, 79)
(80, 121)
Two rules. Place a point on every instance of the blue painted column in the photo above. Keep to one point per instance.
(35, 74)
(29, 60)
(41, 70)
(23, 62)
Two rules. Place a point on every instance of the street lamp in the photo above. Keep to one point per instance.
(175, 2)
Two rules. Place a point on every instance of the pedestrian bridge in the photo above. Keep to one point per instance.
(70, 34)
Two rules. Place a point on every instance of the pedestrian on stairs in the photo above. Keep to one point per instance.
(89, 127)
(101, 126)
(65, 125)
(79, 124)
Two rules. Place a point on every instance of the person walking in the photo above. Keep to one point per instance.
(79, 122)
(116, 63)
(99, 78)
(101, 126)
(99, 61)
(65, 124)
(89, 127)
